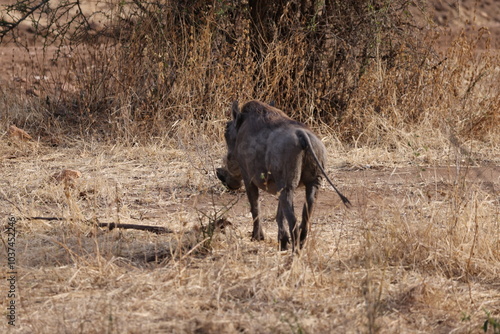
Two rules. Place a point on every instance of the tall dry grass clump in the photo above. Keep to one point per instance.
(448, 95)
(361, 69)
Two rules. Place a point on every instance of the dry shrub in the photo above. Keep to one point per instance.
(451, 95)
(361, 69)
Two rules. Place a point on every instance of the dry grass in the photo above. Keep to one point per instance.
(419, 252)
(413, 142)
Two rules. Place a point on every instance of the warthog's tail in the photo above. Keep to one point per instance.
(305, 142)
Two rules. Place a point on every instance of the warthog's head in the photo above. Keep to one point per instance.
(230, 174)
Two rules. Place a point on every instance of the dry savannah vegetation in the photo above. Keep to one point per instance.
(131, 98)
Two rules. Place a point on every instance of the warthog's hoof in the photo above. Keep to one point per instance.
(258, 236)
(284, 243)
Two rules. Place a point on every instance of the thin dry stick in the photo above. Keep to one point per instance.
(476, 231)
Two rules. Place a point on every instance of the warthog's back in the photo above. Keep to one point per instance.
(270, 151)
(261, 115)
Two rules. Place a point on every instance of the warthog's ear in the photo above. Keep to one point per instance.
(235, 110)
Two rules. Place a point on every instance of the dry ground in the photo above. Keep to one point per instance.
(418, 252)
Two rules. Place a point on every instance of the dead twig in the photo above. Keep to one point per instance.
(111, 226)
(149, 228)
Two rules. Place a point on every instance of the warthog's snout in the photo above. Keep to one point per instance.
(227, 180)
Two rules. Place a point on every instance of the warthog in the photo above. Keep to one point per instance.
(268, 150)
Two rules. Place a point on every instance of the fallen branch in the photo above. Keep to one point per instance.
(111, 226)
(154, 229)
(46, 218)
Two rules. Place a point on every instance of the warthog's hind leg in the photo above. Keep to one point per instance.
(283, 236)
(311, 192)
(286, 204)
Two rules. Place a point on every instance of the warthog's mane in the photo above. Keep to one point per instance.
(264, 115)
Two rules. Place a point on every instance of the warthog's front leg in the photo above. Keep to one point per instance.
(253, 198)
(286, 204)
